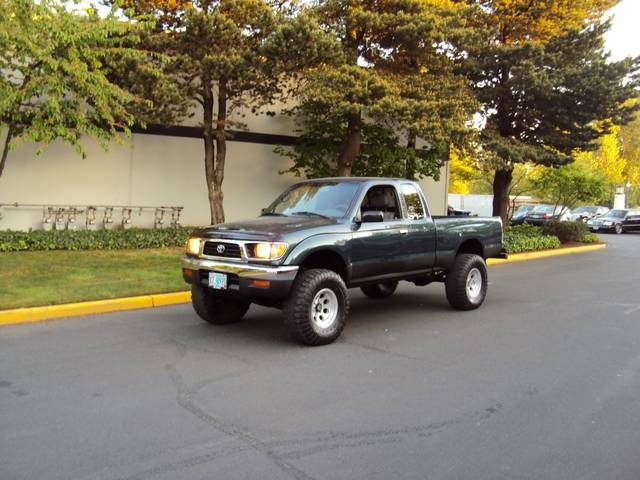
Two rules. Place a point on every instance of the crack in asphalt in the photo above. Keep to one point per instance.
(281, 452)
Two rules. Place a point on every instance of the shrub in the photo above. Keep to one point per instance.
(525, 229)
(590, 238)
(566, 231)
(516, 242)
(134, 238)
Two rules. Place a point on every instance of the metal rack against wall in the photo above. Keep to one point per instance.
(108, 217)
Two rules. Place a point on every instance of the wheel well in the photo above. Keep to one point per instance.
(328, 260)
(471, 246)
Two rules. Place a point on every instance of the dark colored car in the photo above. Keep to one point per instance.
(544, 213)
(520, 214)
(618, 221)
(321, 237)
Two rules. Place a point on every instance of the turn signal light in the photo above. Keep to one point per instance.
(261, 283)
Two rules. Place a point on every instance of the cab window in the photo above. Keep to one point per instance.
(382, 198)
(415, 208)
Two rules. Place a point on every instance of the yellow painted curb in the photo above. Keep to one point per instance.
(520, 257)
(39, 314)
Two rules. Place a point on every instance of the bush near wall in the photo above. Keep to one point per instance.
(566, 231)
(134, 238)
(528, 238)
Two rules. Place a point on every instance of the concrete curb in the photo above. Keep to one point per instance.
(39, 314)
(521, 257)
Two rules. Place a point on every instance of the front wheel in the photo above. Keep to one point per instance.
(317, 309)
(215, 309)
(379, 290)
(466, 283)
(617, 228)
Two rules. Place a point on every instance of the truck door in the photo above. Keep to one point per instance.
(419, 245)
(376, 247)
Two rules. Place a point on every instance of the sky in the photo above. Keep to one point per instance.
(624, 37)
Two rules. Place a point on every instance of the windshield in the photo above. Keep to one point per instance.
(543, 209)
(585, 210)
(328, 199)
(617, 213)
(522, 209)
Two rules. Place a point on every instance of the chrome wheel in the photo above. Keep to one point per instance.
(474, 284)
(324, 308)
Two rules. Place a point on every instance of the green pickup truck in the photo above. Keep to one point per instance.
(323, 236)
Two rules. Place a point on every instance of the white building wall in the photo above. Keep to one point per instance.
(153, 170)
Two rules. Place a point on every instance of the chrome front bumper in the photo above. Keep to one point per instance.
(280, 279)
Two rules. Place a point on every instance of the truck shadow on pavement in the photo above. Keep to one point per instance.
(264, 326)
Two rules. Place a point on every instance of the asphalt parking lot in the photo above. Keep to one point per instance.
(543, 382)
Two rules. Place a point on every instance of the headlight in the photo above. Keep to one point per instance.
(193, 246)
(266, 250)
(589, 222)
(607, 223)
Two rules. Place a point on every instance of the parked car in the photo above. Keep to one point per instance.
(321, 237)
(520, 214)
(544, 213)
(618, 221)
(582, 214)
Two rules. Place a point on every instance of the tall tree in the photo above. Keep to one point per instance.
(391, 80)
(224, 55)
(54, 82)
(543, 79)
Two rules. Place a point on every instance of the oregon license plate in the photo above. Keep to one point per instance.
(218, 281)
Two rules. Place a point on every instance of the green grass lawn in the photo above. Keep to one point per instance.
(30, 279)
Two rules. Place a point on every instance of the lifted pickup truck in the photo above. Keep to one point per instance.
(321, 237)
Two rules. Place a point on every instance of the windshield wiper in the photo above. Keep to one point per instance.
(272, 214)
(309, 213)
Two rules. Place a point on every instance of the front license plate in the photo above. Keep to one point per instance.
(218, 281)
(595, 228)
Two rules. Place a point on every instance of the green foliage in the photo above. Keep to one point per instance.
(544, 82)
(569, 185)
(528, 238)
(222, 57)
(566, 231)
(54, 80)
(381, 155)
(590, 238)
(390, 79)
(135, 238)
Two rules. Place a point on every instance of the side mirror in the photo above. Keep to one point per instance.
(263, 211)
(372, 216)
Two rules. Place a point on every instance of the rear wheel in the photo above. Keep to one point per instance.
(317, 309)
(466, 283)
(379, 290)
(215, 309)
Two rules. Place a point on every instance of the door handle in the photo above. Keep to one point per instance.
(404, 231)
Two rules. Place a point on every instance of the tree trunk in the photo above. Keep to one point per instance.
(501, 184)
(221, 154)
(209, 147)
(351, 147)
(5, 150)
(410, 166)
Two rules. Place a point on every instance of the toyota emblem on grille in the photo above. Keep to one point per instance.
(220, 249)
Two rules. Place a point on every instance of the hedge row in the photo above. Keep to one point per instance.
(93, 239)
(566, 231)
(528, 238)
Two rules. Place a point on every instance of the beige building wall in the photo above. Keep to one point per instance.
(153, 170)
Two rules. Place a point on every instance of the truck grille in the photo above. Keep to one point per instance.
(221, 249)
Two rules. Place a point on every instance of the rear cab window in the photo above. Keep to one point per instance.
(414, 205)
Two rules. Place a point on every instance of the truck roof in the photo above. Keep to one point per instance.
(356, 179)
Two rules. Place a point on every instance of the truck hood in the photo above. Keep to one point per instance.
(265, 228)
